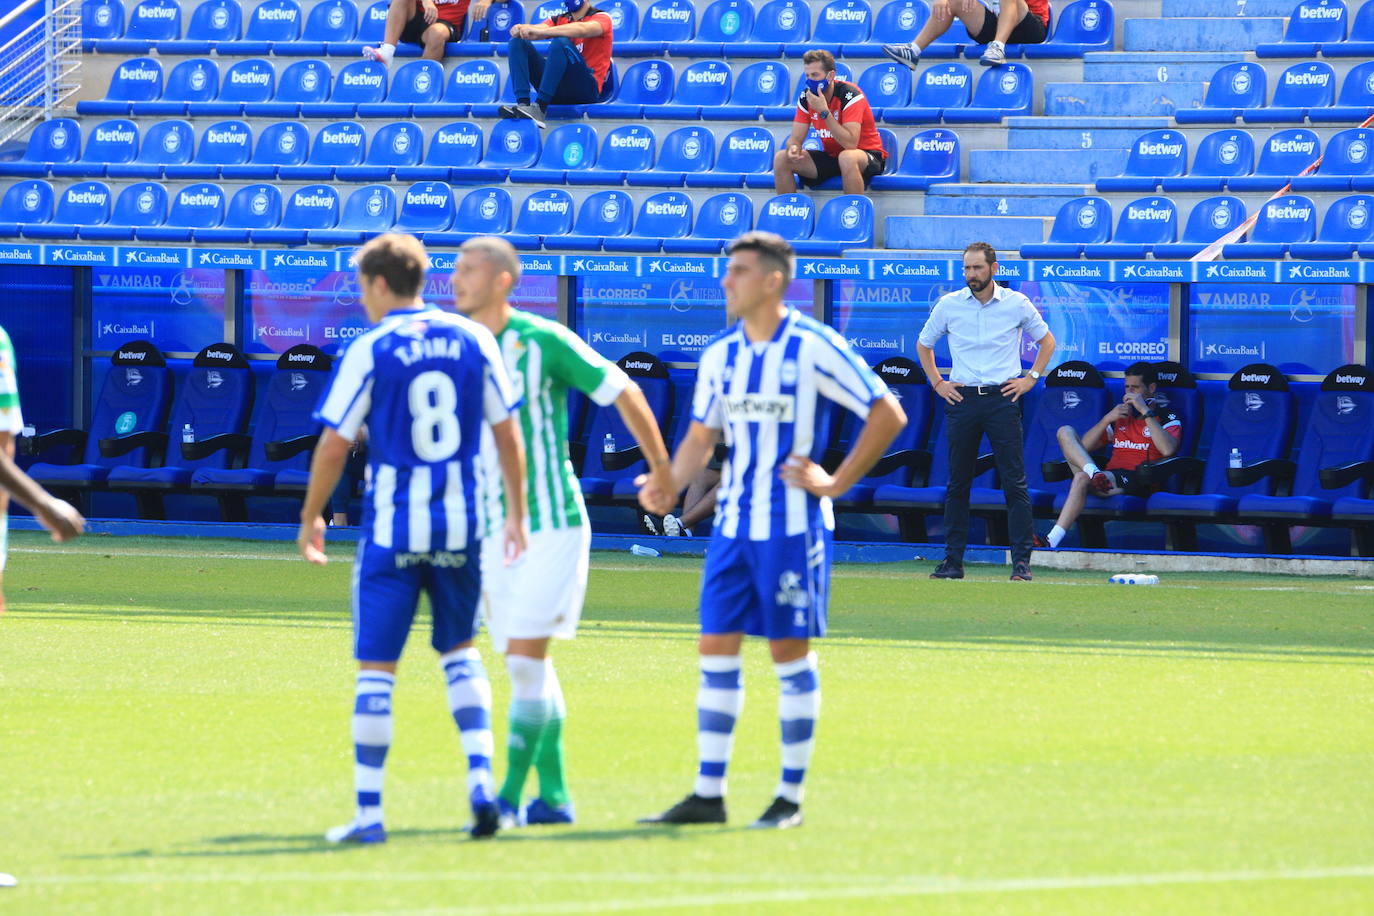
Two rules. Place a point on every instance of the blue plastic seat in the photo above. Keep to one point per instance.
(1347, 163)
(472, 88)
(79, 206)
(897, 22)
(1360, 42)
(702, 85)
(745, 157)
(719, 220)
(196, 206)
(26, 202)
(939, 88)
(357, 85)
(1232, 89)
(191, 81)
(139, 206)
(281, 143)
(128, 425)
(1284, 155)
(152, 20)
(416, 82)
(1356, 101)
(722, 21)
(626, 149)
(164, 143)
(253, 207)
(393, 146)
(494, 28)
(1312, 25)
(1310, 85)
(663, 22)
(792, 216)
(1221, 156)
(1082, 221)
(54, 140)
(110, 141)
(245, 82)
(1075, 395)
(906, 382)
(886, 85)
(1082, 26)
(329, 23)
(1281, 222)
(482, 211)
(609, 476)
(454, 150)
(686, 149)
(272, 22)
(213, 23)
(512, 144)
(372, 22)
(781, 26)
(605, 214)
(136, 80)
(843, 22)
(1002, 92)
(931, 156)
(546, 212)
(760, 88)
(645, 82)
(1154, 156)
(313, 208)
(843, 222)
(305, 82)
(925, 494)
(101, 20)
(662, 216)
(223, 143)
(569, 148)
(1209, 220)
(427, 206)
(342, 143)
(1346, 226)
(1142, 224)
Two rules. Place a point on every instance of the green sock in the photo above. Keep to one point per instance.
(528, 722)
(548, 762)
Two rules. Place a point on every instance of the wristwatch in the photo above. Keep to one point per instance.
(1034, 376)
(1150, 413)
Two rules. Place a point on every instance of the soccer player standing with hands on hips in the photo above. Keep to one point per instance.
(540, 596)
(425, 382)
(767, 568)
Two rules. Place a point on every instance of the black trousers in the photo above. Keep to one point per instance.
(967, 421)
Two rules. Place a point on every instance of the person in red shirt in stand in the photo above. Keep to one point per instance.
(1137, 431)
(575, 70)
(839, 113)
(991, 23)
(431, 24)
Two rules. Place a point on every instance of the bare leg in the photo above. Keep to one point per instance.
(1072, 447)
(699, 503)
(1012, 12)
(397, 15)
(852, 162)
(1073, 505)
(435, 37)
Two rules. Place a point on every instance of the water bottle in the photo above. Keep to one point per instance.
(642, 551)
(1235, 458)
(608, 444)
(29, 431)
(188, 435)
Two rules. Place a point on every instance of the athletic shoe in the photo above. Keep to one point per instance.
(1101, 483)
(510, 814)
(529, 112)
(672, 526)
(694, 809)
(903, 54)
(1039, 542)
(354, 832)
(486, 815)
(1020, 571)
(372, 53)
(541, 812)
(948, 569)
(995, 55)
(780, 815)
(655, 524)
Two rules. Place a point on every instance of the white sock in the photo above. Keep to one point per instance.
(1090, 469)
(387, 51)
(371, 740)
(719, 701)
(469, 699)
(1055, 536)
(799, 705)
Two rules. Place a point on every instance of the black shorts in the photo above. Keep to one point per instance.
(415, 29)
(828, 166)
(1129, 482)
(1029, 31)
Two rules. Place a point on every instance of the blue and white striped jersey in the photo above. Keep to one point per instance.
(765, 397)
(423, 381)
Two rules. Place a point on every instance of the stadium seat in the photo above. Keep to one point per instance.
(165, 143)
(1154, 156)
(81, 205)
(1360, 42)
(939, 87)
(662, 217)
(896, 22)
(136, 80)
(602, 470)
(1082, 26)
(844, 222)
(271, 23)
(1284, 155)
(1176, 389)
(1312, 25)
(1231, 90)
(472, 88)
(905, 456)
(1300, 88)
(280, 144)
(843, 22)
(702, 85)
(213, 400)
(253, 207)
(626, 149)
(950, 44)
(191, 81)
(1281, 222)
(1346, 163)
(745, 157)
(213, 23)
(547, 212)
(245, 82)
(55, 140)
(128, 425)
(686, 149)
(931, 156)
(483, 211)
(1333, 461)
(569, 148)
(760, 89)
(315, 208)
(780, 27)
(393, 146)
(1356, 101)
(141, 205)
(605, 214)
(1221, 156)
(340, 143)
(223, 143)
(1002, 92)
(284, 437)
(886, 85)
(101, 20)
(25, 203)
(368, 210)
(1257, 417)
(512, 144)
(925, 494)
(495, 27)
(372, 23)
(197, 206)
(305, 82)
(664, 22)
(792, 216)
(454, 150)
(1346, 226)
(358, 84)
(1209, 220)
(645, 82)
(1080, 222)
(329, 22)
(416, 82)
(720, 219)
(429, 206)
(1075, 395)
(113, 141)
(723, 21)
(149, 21)
(1143, 224)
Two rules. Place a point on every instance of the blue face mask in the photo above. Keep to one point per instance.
(572, 6)
(817, 86)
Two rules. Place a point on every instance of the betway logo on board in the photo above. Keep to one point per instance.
(631, 142)
(426, 199)
(286, 14)
(933, 146)
(1320, 12)
(707, 77)
(226, 136)
(669, 14)
(837, 15)
(139, 74)
(474, 78)
(113, 135)
(1161, 149)
(1261, 377)
(538, 205)
(1149, 214)
(654, 209)
(1294, 146)
(1287, 211)
(249, 78)
(1306, 79)
(747, 144)
(361, 79)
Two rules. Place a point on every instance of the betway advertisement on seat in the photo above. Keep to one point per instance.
(1300, 329)
(177, 309)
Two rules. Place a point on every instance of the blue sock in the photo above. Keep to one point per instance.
(799, 705)
(371, 740)
(719, 701)
(469, 699)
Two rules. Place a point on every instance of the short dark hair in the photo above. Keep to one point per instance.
(819, 56)
(399, 259)
(1145, 371)
(988, 251)
(771, 248)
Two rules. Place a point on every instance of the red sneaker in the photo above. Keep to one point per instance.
(1101, 483)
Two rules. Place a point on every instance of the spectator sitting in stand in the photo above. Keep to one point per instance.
(431, 24)
(1022, 22)
(698, 504)
(839, 113)
(575, 70)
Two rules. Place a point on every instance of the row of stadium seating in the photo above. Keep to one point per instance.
(1304, 92)
(732, 28)
(1286, 226)
(1319, 26)
(705, 90)
(205, 213)
(516, 151)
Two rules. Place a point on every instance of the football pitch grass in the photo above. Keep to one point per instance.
(174, 738)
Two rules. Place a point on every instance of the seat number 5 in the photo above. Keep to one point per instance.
(434, 432)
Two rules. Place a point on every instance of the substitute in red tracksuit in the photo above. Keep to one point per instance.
(839, 113)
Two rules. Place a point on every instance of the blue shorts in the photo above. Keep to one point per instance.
(777, 589)
(386, 590)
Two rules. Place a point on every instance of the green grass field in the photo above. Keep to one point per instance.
(174, 738)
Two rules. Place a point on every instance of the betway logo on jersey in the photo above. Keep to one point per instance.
(1294, 146)
(668, 14)
(759, 408)
(1261, 377)
(539, 205)
(139, 74)
(226, 136)
(1287, 211)
(1161, 149)
(249, 78)
(474, 78)
(113, 135)
(425, 199)
(707, 77)
(1149, 214)
(747, 144)
(1320, 12)
(631, 142)
(653, 209)
(361, 79)
(933, 146)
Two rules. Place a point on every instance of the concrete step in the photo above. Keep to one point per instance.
(1001, 200)
(1144, 67)
(1081, 166)
(953, 233)
(1042, 138)
(1121, 98)
(1229, 8)
(1175, 35)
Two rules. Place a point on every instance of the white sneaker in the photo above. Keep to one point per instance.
(377, 54)
(354, 832)
(904, 54)
(672, 526)
(995, 55)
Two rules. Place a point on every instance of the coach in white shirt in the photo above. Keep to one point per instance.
(984, 323)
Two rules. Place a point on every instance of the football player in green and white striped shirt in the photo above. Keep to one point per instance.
(540, 595)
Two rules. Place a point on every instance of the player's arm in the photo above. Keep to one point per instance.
(639, 419)
(1096, 437)
(693, 453)
(885, 419)
(52, 513)
(510, 454)
(326, 467)
(587, 28)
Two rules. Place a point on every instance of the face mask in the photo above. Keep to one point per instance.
(572, 6)
(817, 86)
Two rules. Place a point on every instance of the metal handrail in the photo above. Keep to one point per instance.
(40, 67)
(14, 13)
